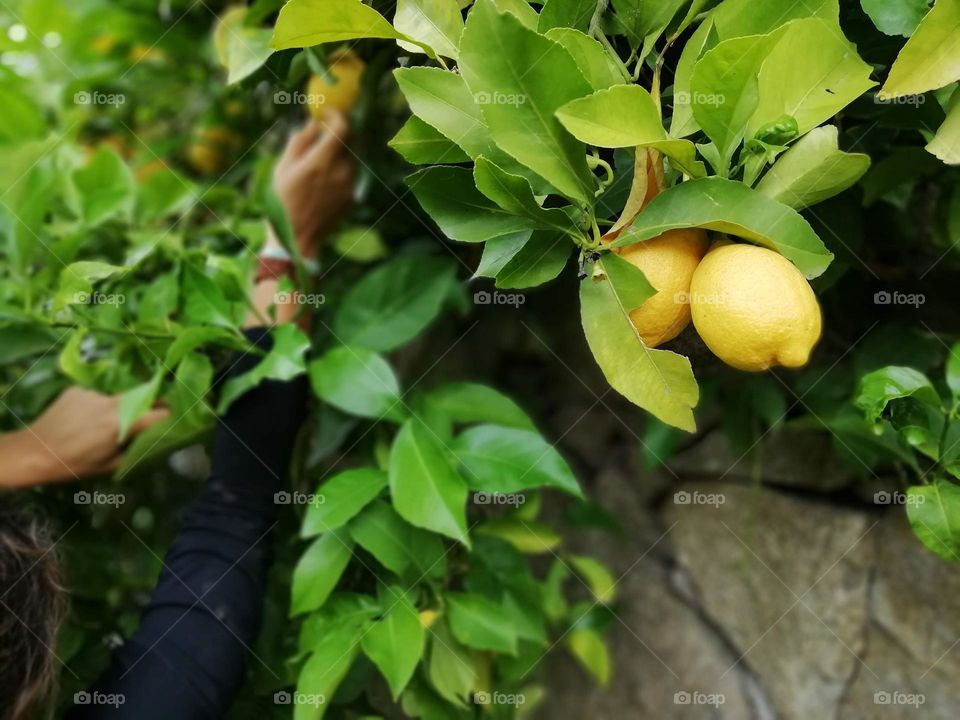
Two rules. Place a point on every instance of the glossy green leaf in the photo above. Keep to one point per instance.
(813, 170)
(325, 669)
(479, 623)
(931, 57)
(426, 489)
(600, 70)
(539, 260)
(507, 460)
(527, 536)
(305, 23)
(135, 403)
(395, 642)
(731, 207)
(392, 304)
(499, 251)
(896, 17)
(357, 381)
(422, 144)
(471, 403)
(344, 495)
(566, 14)
(953, 370)
(659, 381)
(640, 18)
(435, 23)
(934, 514)
(598, 577)
(452, 669)
(880, 387)
(106, 187)
(945, 145)
(519, 79)
(318, 571)
(588, 648)
(451, 198)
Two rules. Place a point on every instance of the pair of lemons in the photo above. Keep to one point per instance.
(751, 306)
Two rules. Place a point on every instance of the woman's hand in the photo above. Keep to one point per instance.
(314, 180)
(77, 436)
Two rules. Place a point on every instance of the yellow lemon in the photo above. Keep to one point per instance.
(346, 69)
(213, 150)
(753, 308)
(669, 262)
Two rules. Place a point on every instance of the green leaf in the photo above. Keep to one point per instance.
(520, 79)
(422, 144)
(435, 23)
(360, 244)
(395, 642)
(953, 371)
(324, 671)
(357, 381)
(600, 70)
(588, 648)
(474, 403)
(539, 260)
(513, 194)
(344, 495)
(318, 571)
(934, 514)
(77, 281)
(931, 57)
(19, 342)
(625, 116)
(598, 577)
(195, 337)
(881, 386)
(392, 304)
(452, 669)
(731, 207)
(945, 145)
(106, 187)
(527, 536)
(305, 23)
(442, 100)
(640, 18)
(426, 489)
(507, 460)
(659, 381)
(165, 192)
(248, 48)
(632, 285)
(566, 14)
(832, 76)
(283, 362)
(463, 213)
(497, 252)
(813, 170)
(135, 403)
(896, 17)
(519, 8)
(204, 301)
(162, 438)
(384, 534)
(478, 623)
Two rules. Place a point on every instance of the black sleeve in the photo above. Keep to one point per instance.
(188, 657)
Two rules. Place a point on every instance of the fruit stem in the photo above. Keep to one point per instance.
(595, 161)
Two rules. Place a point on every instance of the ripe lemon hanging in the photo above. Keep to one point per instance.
(346, 69)
(668, 261)
(753, 308)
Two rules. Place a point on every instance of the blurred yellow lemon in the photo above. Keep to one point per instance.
(428, 618)
(213, 150)
(668, 261)
(346, 69)
(753, 308)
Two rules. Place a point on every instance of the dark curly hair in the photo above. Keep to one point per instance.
(32, 606)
